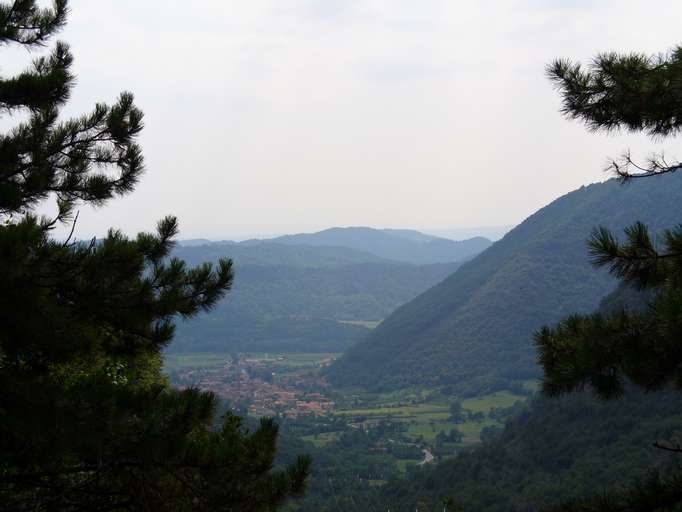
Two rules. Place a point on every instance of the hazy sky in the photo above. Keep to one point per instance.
(296, 115)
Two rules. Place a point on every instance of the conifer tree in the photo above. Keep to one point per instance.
(607, 350)
(87, 419)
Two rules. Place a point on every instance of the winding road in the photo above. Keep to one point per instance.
(428, 457)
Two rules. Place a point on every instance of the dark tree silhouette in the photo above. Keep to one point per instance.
(606, 350)
(87, 419)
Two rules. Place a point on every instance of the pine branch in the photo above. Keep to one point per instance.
(24, 23)
(656, 166)
(637, 260)
(633, 91)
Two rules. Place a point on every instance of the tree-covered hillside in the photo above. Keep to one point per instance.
(256, 252)
(295, 298)
(474, 330)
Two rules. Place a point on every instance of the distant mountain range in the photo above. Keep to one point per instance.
(266, 253)
(295, 293)
(402, 245)
(474, 329)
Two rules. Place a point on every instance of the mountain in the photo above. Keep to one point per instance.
(492, 232)
(193, 242)
(404, 245)
(260, 252)
(296, 298)
(559, 449)
(474, 330)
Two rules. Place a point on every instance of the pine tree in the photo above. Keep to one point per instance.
(643, 345)
(87, 419)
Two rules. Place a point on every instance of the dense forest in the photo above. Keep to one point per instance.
(296, 298)
(474, 330)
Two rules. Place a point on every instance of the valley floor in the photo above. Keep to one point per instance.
(398, 430)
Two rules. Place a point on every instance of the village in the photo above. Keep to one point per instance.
(263, 386)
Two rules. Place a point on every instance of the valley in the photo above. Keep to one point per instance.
(392, 373)
(298, 295)
(263, 330)
(404, 429)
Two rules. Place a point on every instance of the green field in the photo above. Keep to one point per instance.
(425, 420)
(369, 324)
(424, 410)
(321, 440)
(487, 402)
(282, 362)
(404, 463)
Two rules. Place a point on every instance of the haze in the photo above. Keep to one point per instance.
(287, 116)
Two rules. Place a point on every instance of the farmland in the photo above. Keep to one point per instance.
(397, 426)
(425, 420)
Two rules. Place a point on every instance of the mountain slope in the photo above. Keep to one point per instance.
(403, 245)
(473, 330)
(560, 449)
(293, 298)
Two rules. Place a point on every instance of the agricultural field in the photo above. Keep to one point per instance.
(486, 403)
(369, 324)
(427, 419)
(397, 425)
(287, 363)
(321, 440)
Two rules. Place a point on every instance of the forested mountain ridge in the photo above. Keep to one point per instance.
(474, 329)
(293, 298)
(257, 252)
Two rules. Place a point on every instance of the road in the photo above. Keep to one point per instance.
(428, 457)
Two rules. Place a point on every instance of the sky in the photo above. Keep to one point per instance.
(277, 116)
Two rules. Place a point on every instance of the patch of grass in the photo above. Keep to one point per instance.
(487, 402)
(283, 363)
(531, 385)
(432, 410)
(321, 440)
(428, 418)
(471, 430)
(403, 464)
(368, 324)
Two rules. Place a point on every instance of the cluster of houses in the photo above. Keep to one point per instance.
(290, 404)
(249, 384)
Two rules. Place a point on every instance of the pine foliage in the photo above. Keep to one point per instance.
(604, 351)
(87, 420)
(638, 93)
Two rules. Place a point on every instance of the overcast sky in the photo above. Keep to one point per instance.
(280, 116)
